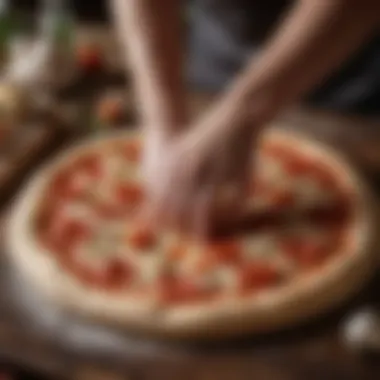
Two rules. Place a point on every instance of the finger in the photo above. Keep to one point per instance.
(185, 206)
(240, 176)
(191, 179)
(216, 199)
(203, 212)
(243, 177)
(156, 205)
(146, 216)
(175, 206)
(225, 187)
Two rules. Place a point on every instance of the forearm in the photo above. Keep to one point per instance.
(315, 38)
(150, 32)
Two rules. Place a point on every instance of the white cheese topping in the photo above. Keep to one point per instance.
(221, 277)
(261, 246)
(151, 266)
(309, 191)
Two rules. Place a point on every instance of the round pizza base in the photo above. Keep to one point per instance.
(270, 310)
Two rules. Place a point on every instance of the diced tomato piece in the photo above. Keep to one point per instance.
(118, 273)
(60, 184)
(84, 273)
(75, 191)
(297, 166)
(45, 215)
(276, 150)
(283, 199)
(89, 57)
(306, 253)
(291, 246)
(132, 151)
(111, 109)
(142, 238)
(129, 194)
(67, 233)
(90, 164)
(205, 264)
(114, 275)
(111, 210)
(76, 230)
(335, 214)
(256, 276)
(175, 290)
(47, 241)
(325, 176)
(258, 188)
(106, 210)
(336, 240)
(60, 180)
(68, 184)
(177, 251)
(228, 251)
(74, 188)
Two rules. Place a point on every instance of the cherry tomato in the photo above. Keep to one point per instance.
(60, 185)
(205, 264)
(258, 188)
(175, 290)
(276, 150)
(67, 233)
(111, 110)
(297, 166)
(256, 276)
(89, 57)
(228, 252)
(129, 194)
(306, 253)
(325, 176)
(118, 273)
(132, 151)
(177, 252)
(89, 164)
(142, 238)
(283, 199)
(108, 210)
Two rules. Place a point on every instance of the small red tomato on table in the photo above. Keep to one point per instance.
(110, 109)
(89, 57)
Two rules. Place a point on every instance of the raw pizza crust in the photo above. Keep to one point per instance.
(272, 309)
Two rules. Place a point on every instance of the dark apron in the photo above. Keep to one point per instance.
(224, 34)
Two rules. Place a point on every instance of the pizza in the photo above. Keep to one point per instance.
(305, 243)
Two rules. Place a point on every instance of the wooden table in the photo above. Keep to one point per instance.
(312, 351)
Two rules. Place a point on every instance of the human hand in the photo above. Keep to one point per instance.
(198, 178)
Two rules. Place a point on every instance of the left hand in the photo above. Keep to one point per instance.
(199, 177)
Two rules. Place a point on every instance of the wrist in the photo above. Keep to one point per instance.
(165, 120)
(257, 98)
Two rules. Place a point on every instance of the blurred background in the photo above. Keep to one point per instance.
(94, 10)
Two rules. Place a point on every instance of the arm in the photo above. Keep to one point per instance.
(313, 40)
(150, 32)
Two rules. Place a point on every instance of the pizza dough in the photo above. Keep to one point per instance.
(72, 234)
